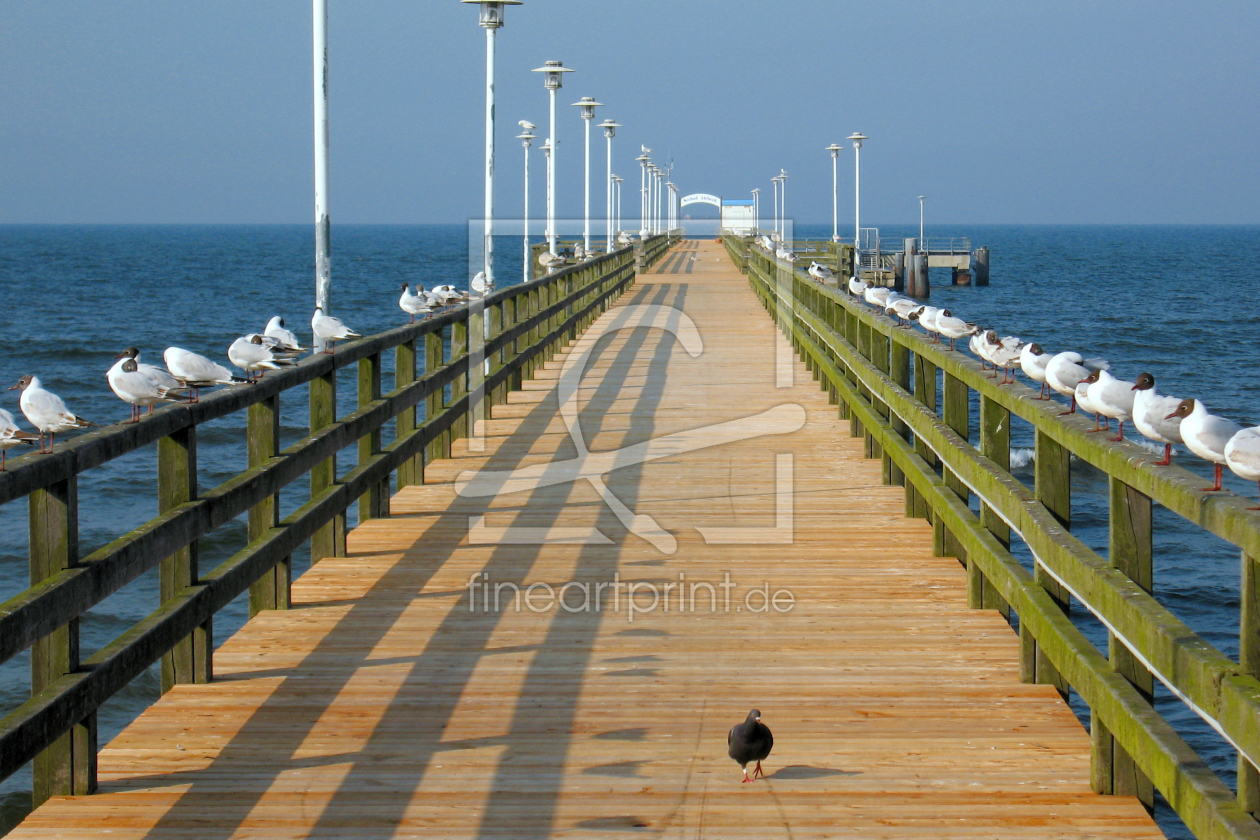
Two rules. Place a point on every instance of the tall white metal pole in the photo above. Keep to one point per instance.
(643, 225)
(525, 272)
(921, 221)
(608, 198)
(323, 225)
(835, 207)
(783, 199)
(586, 201)
(551, 179)
(617, 185)
(488, 247)
(857, 193)
(775, 181)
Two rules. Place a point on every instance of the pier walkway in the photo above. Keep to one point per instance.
(389, 703)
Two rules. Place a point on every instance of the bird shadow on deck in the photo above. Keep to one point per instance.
(377, 794)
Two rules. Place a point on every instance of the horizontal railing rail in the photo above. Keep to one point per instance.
(56, 727)
(886, 381)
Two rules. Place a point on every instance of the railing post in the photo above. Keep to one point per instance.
(1249, 663)
(956, 412)
(262, 443)
(330, 539)
(433, 352)
(459, 350)
(67, 766)
(189, 661)
(410, 471)
(924, 392)
(374, 504)
(995, 444)
(1052, 472)
(1130, 549)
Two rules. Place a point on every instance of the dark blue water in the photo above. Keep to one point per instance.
(1147, 298)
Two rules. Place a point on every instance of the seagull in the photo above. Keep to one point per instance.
(953, 328)
(820, 272)
(11, 436)
(1242, 456)
(1151, 415)
(550, 261)
(748, 742)
(625, 238)
(927, 319)
(46, 411)
(448, 295)
(416, 303)
(285, 339)
(196, 372)
(1113, 398)
(162, 377)
(785, 254)
(645, 150)
(479, 286)
(1033, 361)
(857, 287)
(902, 308)
(1066, 369)
(877, 296)
(272, 344)
(253, 356)
(138, 387)
(526, 124)
(1003, 353)
(1088, 405)
(328, 329)
(1204, 434)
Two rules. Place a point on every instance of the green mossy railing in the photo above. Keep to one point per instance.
(523, 325)
(910, 401)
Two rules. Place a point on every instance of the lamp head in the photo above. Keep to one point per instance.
(643, 160)
(491, 12)
(857, 137)
(588, 106)
(527, 139)
(553, 72)
(610, 128)
(834, 149)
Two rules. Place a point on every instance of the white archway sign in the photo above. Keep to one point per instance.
(700, 198)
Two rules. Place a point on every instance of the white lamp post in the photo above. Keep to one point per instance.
(610, 131)
(783, 176)
(835, 215)
(656, 199)
(921, 220)
(643, 160)
(857, 137)
(775, 181)
(490, 19)
(553, 80)
(669, 206)
(527, 140)
(588, 106)
(617, 179)
(756, 194)
(323, 257)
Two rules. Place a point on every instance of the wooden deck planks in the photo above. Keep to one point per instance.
(382, 706)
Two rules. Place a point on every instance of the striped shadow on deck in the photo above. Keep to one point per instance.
(390, 703)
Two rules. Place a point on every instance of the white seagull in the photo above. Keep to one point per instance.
(1151, 416)
(1112, 397)
(953, 328)
(820, 272)
(328, 329)
(1242, 456)
(138, 387)
(927, 319)
(163, 378)
(1085, 404)
(415, 303)
(196, 372)
(285, 339)
(11, 436)
(550, 261)
(251, 355)
(1065, 370)
(479, 286)
(1004, 353)
(46, 411)
(1204, 434)
(1033, 361)
(857, 287)
(877, 296)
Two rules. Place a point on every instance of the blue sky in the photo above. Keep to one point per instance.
(999, 112)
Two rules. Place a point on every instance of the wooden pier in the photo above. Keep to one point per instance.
(387, 703)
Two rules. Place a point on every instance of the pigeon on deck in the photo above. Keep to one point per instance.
(748, 742)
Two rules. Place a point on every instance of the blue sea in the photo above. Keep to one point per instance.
(1146, 298)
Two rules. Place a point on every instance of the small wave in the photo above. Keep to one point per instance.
(1022, 457)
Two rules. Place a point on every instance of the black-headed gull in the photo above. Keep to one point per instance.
(550, 261)
(877, 296)
(1002, 353)
(11, 436)
(195, 371)
(1204, 434)
(1112, 397)
(481, 288)
(953, 327)
(1101, 423)
(138, 387)
(1242, 455)
(857, 287)
(1065, 371)
(820, 272)
(163, 378)
(253, 356)
(414, 303)
(286, 340)
(926, 316)
(1151, 416)
(328, 329)
(1033, 361)
(46, 411)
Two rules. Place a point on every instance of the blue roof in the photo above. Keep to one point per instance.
(737, 202)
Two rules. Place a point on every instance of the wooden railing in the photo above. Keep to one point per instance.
(56, 728)
(647, 251)
(885, 380)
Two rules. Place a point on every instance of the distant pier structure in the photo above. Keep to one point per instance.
(904, 263)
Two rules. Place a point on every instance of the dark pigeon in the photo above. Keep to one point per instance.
(748, 742)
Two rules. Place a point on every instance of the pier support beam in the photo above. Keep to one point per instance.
(922, 287)
(981, 264)
(1052, 477)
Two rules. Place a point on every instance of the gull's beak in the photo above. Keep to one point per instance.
(14, 387)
